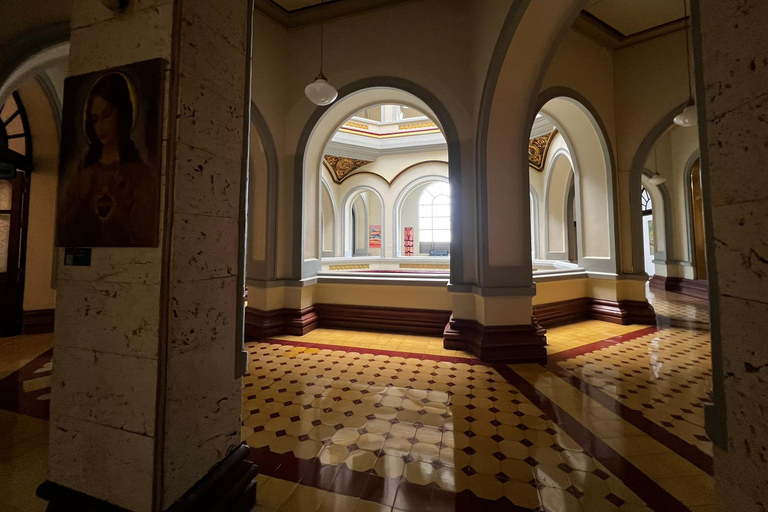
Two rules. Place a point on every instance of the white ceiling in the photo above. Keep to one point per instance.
(632, 16)
(294, 5)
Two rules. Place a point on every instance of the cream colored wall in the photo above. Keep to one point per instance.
(555, 214)
(257, 200)
(419, 165)
(329, 221)
(650, 81)
(270, 74)
(669, 157)
(38, 288)
(588, 68)
(453, 35)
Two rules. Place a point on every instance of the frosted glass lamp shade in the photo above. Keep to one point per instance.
(320, 92)
(687, 117)
(657, 179)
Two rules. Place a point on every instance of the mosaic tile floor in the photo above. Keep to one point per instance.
(369, 421)
(677, 310)
(410, 432)
(344, 420)
(665, 375)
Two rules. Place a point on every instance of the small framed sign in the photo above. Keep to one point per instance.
(77, 256)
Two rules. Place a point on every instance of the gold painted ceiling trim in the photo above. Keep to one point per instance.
(336, 179)
(538, 149)
(341, 167)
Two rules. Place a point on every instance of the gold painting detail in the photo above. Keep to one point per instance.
(349, 267)
(341, 167)
(353, 124)
(414, 126)
(538, 149)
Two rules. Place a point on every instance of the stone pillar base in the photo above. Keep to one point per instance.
(229, 487)
(497, 343)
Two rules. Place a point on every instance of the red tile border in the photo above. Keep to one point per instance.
(385, 491)
(597, 345)
(684, 449)
(377, 352)
(655, 496)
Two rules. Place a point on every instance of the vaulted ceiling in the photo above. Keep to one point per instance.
(631, 17)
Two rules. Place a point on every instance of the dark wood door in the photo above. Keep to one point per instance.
(13, 216)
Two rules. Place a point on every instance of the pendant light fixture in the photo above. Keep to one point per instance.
(688, 117)
(657, 179)
(320, 92)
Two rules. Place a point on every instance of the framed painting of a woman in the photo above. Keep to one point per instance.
(109, 168)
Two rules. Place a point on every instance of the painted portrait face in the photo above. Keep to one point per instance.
(105, 120)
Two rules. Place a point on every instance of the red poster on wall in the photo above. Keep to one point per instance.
(374, 239)
(408, 241)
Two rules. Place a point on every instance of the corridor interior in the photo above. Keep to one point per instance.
(363, 421)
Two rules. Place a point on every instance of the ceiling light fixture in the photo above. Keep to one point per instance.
(320, 92)
(657, 179)
(689, 116)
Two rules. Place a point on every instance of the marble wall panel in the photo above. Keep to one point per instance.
(733, 34)
(209, 122)
(108, 265)
(90, 12)
(104, 462)
(218, 73)
(109, 317)
(202, 414)
(203, 314)
(741, 248)
(229, 22)
(735, 72)
(206, 184)
(204, 247)
(122, 40)
(737, 139)
(117, 391)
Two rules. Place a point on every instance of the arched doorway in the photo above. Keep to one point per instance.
(353, 114)
(696, 212)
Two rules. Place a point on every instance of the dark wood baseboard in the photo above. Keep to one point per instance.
(697, 288)
(229, 487)
(623, 312)
(498, 343)
(38, 321)
(563, 312)
(263, 324)
(369, 318)
(618, 312)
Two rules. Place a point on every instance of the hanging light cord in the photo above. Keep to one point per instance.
(687, 50)
(322, 20)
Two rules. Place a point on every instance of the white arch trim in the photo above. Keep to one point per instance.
(398, 238)
(349, 198)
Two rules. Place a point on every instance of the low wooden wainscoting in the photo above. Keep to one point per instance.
(38, 321)
(263, 324)
(497, 343)
(691, 287)
(622, 312)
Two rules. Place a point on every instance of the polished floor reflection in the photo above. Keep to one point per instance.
(356, 421)
(346, 420)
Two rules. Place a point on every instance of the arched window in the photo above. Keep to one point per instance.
(645, 199)
(435, 217)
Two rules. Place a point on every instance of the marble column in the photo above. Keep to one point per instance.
(145, 398)
(732, 83)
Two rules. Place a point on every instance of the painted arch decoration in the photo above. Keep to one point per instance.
(538, 148)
